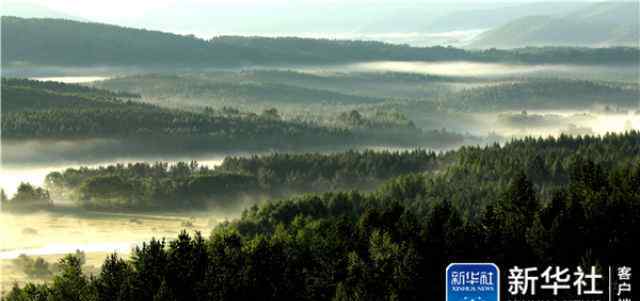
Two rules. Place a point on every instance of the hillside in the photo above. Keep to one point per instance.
(223, 89)
(545, 94)
(56, 42)
(599, 25)
(82, 43)
(567, 200)
(28, 95)
(473, 19)
(33, 109)
(71, 43)
(46, 111)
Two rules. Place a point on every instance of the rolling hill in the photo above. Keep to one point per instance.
(33, 109)
(488, 18)
(57, 42)
(600, 25)
(232, 90)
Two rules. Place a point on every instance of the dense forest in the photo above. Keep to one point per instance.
(393, 103)
(427, 100)
(290, 168)
(45, 110)
(545, 94)
(188, 185)
(226, 89)
(72, 43)
(566, 200)
(32, 109)
(22, 95)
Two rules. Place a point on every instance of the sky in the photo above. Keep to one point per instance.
(131, 8)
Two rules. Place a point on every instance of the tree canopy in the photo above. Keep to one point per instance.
(395, 242)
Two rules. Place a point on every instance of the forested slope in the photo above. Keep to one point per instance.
(467, 177)
(33, 109)
(567, 201)
(57, 42)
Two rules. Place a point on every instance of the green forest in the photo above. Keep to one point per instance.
(73, 43)
(564, 200)
(387, 106)
(46, 110)
(33, 109)
(187, 185)
(292, 91)
(354, 164)
(544, 94)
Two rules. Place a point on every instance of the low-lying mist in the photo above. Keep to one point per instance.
(51, 235)
(554, 123)
(31, 160)
(66, 229)
(489, 70)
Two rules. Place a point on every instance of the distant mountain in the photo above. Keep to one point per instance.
(624, 12)
(55, 42)
(490, 17)
(599, 25)
(60, 42)
(33, 10)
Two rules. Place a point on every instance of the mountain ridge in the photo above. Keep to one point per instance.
(57, 42)
(600, 25)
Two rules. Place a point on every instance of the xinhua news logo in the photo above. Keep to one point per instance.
(472, 282)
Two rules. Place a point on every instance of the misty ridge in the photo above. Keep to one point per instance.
(154, 48)
(317, 152)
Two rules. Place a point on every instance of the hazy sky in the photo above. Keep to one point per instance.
(132, 8)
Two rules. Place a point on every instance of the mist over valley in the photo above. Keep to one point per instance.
(341, 143)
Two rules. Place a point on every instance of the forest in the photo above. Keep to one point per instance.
(45, 110)
(73, 43)
(36, 109)
(183, 150)
(187, 185)
(293, 93)
(544, 94)
(566, 200)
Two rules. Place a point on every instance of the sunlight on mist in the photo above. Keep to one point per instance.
(63, 232)
(71, 79)
(460, 68)
(554, 123)
(488, 70)
(12, 176)
(51, 235)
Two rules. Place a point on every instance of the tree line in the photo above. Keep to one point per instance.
(395, 242)
(189, 185)
(46, 110)
(27, 198)
(72, 43)
(543, 94)
(33, 109)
